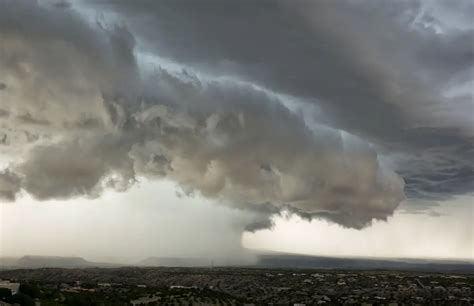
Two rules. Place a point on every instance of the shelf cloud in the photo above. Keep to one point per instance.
(327, 109)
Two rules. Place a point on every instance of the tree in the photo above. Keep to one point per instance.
(5, 294)
(30, 289)
(22, 299)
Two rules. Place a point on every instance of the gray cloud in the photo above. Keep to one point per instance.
(86, 113)
(230, 143)
(225, 142)
(58, 66)
(386, 73)
(10, 185)
(82, 167)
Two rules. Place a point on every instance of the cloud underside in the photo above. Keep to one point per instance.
(296, 113)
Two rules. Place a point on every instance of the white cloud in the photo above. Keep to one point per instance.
(448, 234)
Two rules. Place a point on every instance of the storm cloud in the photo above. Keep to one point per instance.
(328, 109)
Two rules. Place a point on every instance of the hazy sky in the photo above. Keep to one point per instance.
(179, 128)
(128, 227)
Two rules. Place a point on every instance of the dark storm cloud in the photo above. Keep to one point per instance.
(54, 62)
(380, 71)
(97, 114)
(349, 55)
(10, 185)
(439, 165)
(79, 168)
(4, 113)
(228, 142)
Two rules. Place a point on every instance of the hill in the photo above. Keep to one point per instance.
(52, 261)
(175, 262)
(34, 262)
(317, 262)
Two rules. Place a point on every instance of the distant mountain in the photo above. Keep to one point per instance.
(33, 262)
(52, 262)
(175, 262)
(8, 262)
(264, 260)
(276, 260)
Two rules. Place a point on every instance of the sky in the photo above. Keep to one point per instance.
(131, 129)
